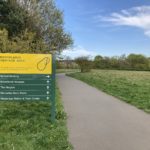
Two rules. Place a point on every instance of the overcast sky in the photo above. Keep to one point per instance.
(107, 27)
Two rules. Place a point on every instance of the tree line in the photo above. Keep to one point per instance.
(130, 62)
(137, 62)
(32, 26)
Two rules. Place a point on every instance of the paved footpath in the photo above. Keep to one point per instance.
(97, 121)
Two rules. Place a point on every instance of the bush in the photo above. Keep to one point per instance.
(84, 63)
(131, 62)
(3, 40)
(25, 43)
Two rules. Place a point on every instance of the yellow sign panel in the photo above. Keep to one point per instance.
(25, 63)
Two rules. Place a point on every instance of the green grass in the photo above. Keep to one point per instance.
(131, 86)
(27, 126)
(67, 70)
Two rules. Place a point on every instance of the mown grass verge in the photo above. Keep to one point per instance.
(131, 86)
(27, 126)
(67, 70)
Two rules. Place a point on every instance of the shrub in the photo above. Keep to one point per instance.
(84, 63)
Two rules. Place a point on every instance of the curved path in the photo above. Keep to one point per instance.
(97, 121)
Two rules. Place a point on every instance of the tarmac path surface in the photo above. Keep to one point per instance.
(97, 121)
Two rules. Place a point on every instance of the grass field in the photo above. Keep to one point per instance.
(67, 70)
(27, 126)
(130, 86)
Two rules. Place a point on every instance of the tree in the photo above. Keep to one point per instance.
(106, 63)
(49, 21)
(13, 17)
(22, 44)
(123, 64)
(131, 62)
(114, 63)
(149, 63)
(84, 63)
(52, 26)
(138, 62)
(97, 61)
(68, 62)
(3, 40)
(39, 17)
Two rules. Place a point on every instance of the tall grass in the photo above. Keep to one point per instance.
(130, 86)
(27, 126)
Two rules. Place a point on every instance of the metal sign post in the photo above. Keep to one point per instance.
(53, 91)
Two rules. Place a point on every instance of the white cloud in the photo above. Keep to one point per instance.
(78, 51)
(136, 17)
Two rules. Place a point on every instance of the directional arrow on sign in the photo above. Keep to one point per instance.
(48, 76)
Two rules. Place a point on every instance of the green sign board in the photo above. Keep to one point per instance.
(25, 87)
(28, 77)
